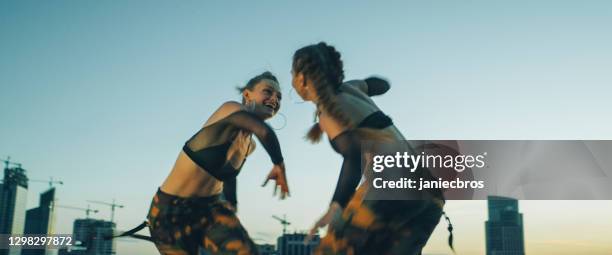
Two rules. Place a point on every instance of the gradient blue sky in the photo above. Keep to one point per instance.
(102, 94)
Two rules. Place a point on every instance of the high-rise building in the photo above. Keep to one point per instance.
(504, 228)
(90, 235)
(40, 220)
(13, 199)
(266, 249)
(293, 244)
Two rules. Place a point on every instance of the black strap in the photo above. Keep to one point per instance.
(450, 232)
(141, 237)
(132, 233)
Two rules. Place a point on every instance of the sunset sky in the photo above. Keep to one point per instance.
(103, 94)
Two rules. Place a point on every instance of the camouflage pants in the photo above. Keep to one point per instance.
(187, 226)
(381, 227)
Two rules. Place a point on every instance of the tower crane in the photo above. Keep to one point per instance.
(283, 221)
(112, 205)
(50, 181)
(87, 210)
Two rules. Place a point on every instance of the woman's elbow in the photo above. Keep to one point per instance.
(377, 86)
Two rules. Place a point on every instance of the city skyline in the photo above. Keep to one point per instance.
(441, 233)
(102, 96)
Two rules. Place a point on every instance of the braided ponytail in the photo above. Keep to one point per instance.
(321, 63)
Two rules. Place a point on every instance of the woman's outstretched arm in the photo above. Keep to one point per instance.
(349, 146)
(371, 86)
(251, 123)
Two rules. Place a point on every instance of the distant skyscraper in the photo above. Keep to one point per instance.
(13, 199)
(89, 234)
(293, 244)
(40, 220)
(266, 249)
(504, 229)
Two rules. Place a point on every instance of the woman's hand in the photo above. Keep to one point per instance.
(278, 175)
(326, 219)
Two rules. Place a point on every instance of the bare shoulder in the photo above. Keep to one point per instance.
(229, 107)
(223, 111)
(330, 126)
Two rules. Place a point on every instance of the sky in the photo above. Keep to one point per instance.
(102, 95)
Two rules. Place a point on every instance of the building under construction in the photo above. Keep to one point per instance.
(13, 199)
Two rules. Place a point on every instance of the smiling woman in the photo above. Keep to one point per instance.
(262, 88)
(195, 207)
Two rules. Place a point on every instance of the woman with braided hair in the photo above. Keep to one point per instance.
(194, 209)
(348, 116)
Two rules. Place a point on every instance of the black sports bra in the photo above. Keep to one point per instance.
(208, 148)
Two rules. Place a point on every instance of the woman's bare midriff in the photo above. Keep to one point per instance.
(188, 180)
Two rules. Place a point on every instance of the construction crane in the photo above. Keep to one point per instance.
(112, 205)
(50, 181)
(283, 222)
(8, 162)
(87, 210)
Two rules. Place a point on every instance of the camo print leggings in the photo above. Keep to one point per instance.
(381, 227)
(187, 225)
